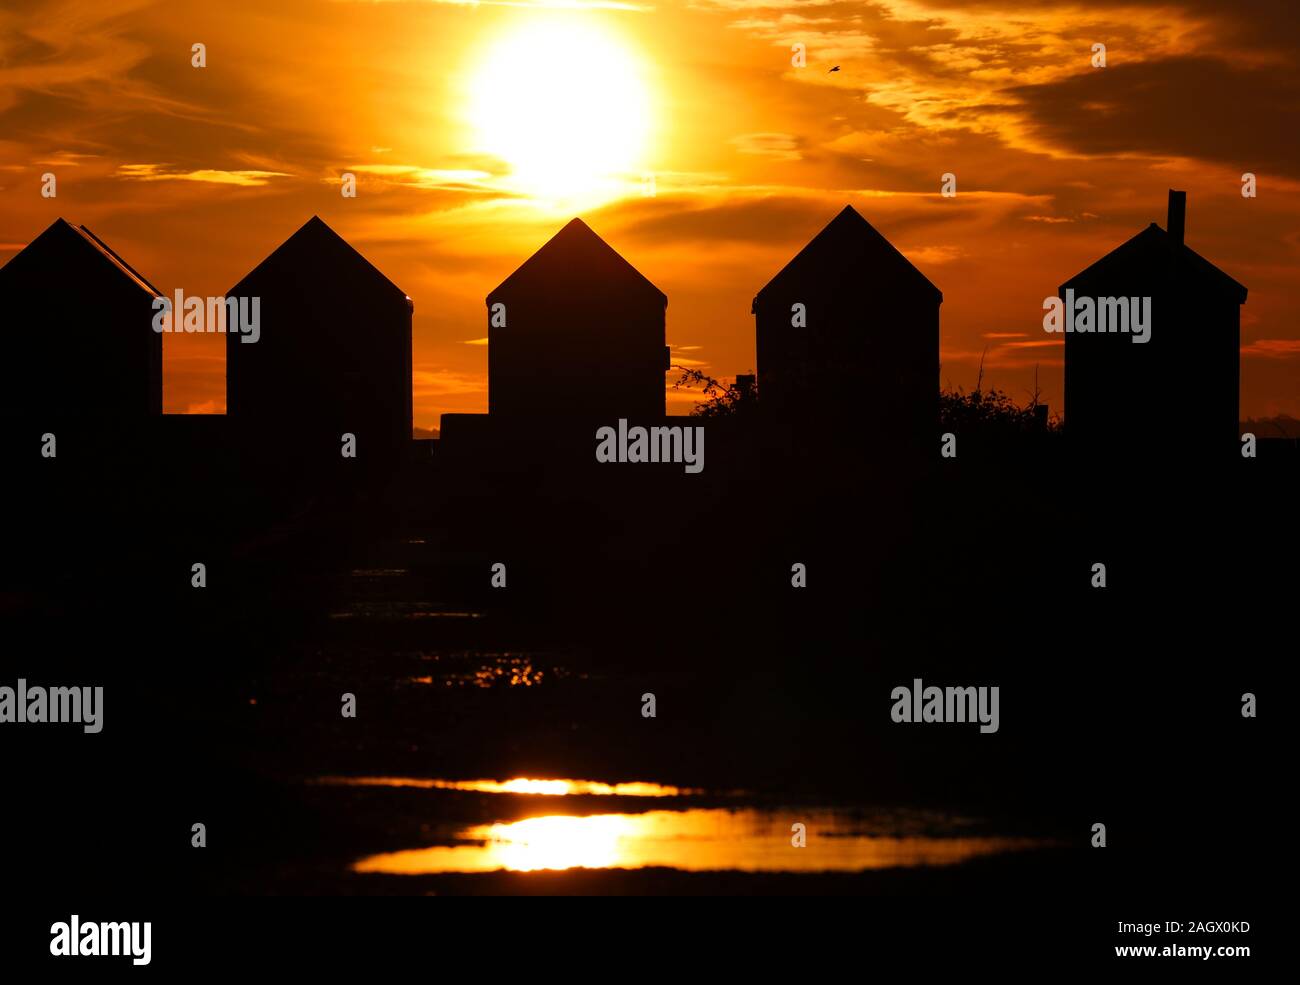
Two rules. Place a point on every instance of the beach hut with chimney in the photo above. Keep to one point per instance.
(848, 338)
(576, 332)
(1179, 388)
(80, 350)
(332, 354)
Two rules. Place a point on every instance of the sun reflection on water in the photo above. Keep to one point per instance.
(694, 840)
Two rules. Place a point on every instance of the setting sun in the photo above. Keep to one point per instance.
(565, 105)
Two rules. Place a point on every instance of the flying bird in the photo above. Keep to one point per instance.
(835, 69)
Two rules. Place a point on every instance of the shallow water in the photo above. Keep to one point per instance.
(694, 839)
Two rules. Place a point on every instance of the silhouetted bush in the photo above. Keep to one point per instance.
(992, 412)
(722, 399)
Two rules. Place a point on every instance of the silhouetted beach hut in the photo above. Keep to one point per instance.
(576, 331)
(848, 336)
(333, 353)
(1181, 387)
(79, 345)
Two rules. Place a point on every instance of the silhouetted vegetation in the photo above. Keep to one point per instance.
(988, 411)
(992, 412)
(721, 399)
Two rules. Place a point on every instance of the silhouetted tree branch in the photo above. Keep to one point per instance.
(723, 399)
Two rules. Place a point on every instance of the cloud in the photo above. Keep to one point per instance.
(683, 397)
(1272, 349)
(159, 172)
(420, 177)
(935, 255)
(445, 382)
(65, 44)
(67, 159)
(1188, 107)
(741, 215)
(782, 146)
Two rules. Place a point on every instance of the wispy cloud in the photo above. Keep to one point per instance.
(1273, 348)
(935, 255)
(783, 146)
(446, 382)
(420, 177)
(160, 172)
(67, 159)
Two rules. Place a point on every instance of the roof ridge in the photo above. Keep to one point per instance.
(313, 223)
(58, 232)
(1150, 234)
(861, 227)
(577, 227)
(114, 256)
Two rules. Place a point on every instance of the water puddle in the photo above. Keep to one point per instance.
(698, 840)
(691, 839)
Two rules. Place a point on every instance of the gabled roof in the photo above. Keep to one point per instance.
(77, 244)
(312, 251)
(849, 243)
(577, 253)
(1148, 256)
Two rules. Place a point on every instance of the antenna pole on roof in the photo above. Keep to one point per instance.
(1176, 224)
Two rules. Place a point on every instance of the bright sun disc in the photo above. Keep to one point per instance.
(564, 104)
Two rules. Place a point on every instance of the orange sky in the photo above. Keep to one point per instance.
(195, 175)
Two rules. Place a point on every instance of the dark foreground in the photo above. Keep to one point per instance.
(224, 704)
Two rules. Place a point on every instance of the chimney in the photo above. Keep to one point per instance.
(1177, 221)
